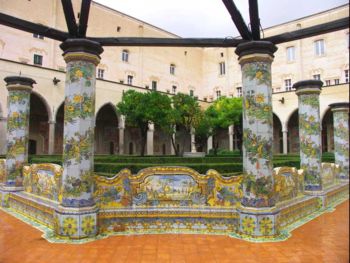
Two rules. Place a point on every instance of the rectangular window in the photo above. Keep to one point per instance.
(239, 91)
(328, 82)
(290, 54)
(100, 73)
(336, 81)
(317, 77)
(218, 94)
(319, 47)
(288, 84)
(222, 68)
(172, 69)
(191, 92)
(154, 85)
(38, 60)
(346, 73)
(38, 36)
(129, 80)
(174, 89)
(125, 55)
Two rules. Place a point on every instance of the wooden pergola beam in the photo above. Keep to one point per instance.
(167, 42)
(328, 27)
(84, 17)
(254, 19)
(31, 27)
(70, 18)
(238, 19)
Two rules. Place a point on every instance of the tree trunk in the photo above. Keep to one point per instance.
(143, 140)
(173, 144)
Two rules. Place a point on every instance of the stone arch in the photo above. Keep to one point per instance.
(59, 123)
(106, 130)
(293, 132)
(327, 130)
(47, 106)
(277, 134)
(39, 116)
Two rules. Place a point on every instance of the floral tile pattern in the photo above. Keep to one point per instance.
(257, 135)
(310, 139)
(17, 135)
(341, 141)
(79, 111)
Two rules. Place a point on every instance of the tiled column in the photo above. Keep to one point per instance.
(18, 103)
(150, 137)
(230, 136)
(258, 214)
(77, 213)
(3, 131)
(308, 92)
(121, 134)
(51, 136)
(341, 137)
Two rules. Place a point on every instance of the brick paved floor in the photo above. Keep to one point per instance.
(325, 239)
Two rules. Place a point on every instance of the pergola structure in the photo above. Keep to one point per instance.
(257, 214)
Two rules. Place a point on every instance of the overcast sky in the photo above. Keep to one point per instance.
(209, 18)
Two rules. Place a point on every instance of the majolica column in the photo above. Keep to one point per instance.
(285, 138)
(19, 89)
(308, 92)
(255, 59)
(258, 214)
(209, 143)
(3, 131)
(193, 141)
(77, 213)
(341, 137)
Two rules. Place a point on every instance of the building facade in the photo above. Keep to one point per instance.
(206, 73)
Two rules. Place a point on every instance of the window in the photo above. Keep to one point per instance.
(129, 80)
(125, 55)
(174, 89)
(239, 91)
(218, 94)
(191, 92)
(38, 36)
(100, 73)
(222, 68)
(317, 77)
(288, 84)
(346, 73)
(336, 81)
(205, 99)
(154, 85)
(328, 82)
(319, 47)
(290, 54)
(172, 69)
(38, 60)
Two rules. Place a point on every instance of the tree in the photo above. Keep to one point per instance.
(221, 114)
(186, 113)
(142, 109)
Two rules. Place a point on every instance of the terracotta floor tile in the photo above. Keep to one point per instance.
(325, 239)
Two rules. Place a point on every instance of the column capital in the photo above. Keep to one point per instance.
(81, 49)
(19, 83)
(254, 51)
(340, 106)
(308, 86)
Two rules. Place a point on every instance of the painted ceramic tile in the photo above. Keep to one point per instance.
(341, 142)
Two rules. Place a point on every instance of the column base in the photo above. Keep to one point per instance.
(5, 191)
(76, 223)
(258, 222)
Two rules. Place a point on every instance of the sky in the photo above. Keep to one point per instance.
(209, 18)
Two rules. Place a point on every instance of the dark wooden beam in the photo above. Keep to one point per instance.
(254, 19)
(84, 17)
(70, 18)
(238, 19)
(31, 27)
(332, 26)
(167, 42)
